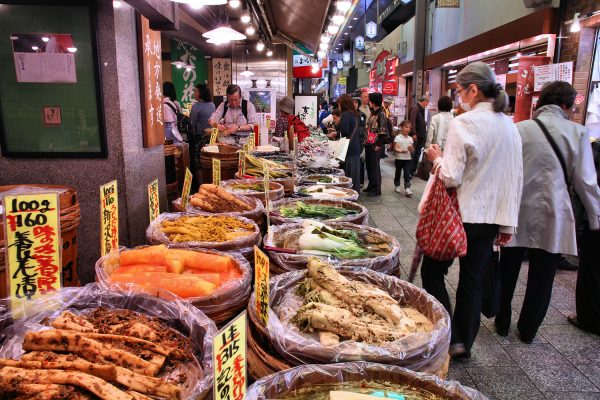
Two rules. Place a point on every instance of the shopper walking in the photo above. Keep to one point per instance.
(170, 110)
(416, 116)
(483, 161)
(349, 124)
(546, 223)
(202, 109)
(377, 137)
(403, 149)
(440, 122)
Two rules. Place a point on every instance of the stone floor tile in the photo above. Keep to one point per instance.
(572, 395)
(458, 373)
(591, 370)
(577, 346)
(504, 383)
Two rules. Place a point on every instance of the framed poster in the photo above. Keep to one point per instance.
(264, 100)
(307, 108)
(50, 91)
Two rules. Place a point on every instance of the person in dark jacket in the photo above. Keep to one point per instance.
(377, 127)
(416, 116)
(349, 122)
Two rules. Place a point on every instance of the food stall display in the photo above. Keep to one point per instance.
(253, 188)
(327, 180)
(295, 210)
(314, 152)
(278, 172)
(322, 192)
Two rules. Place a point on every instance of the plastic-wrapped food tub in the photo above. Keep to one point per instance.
(287, 183)
(276, 191)
(321, 192)
(359, 216)
(256, 214)
(327, 180)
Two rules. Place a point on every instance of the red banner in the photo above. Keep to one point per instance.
(525, 80)
(383, 75)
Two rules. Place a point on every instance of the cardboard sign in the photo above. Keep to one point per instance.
(229, 360)
(261, 285)
(33, 247)
(214, 136)
(242, 163)
(153, 202)
(216, 171)
(185, 191)
(109, 218)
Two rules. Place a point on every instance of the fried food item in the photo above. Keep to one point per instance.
(69, 321)
(106, 372)
(217, 229)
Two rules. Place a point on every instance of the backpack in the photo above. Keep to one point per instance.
(184, 124)
(244, 109)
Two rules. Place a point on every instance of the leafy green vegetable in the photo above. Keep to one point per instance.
(302, 210)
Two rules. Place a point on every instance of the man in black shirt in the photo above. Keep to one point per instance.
(416, 116)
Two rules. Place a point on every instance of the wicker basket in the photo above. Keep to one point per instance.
(276, 191)
(287, 183)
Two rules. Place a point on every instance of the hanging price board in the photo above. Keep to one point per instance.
(216, 171)
(242, 163)
(109, 218)
(229, 360)
(153, 202)
(185, 191)
(261, 284)
(33, 247)
(214, 136)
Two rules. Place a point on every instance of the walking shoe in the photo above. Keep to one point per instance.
(408, 192)
(458, 350)
(566, 265)
(398, 189)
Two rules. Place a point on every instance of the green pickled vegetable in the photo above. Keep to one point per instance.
(318, 211)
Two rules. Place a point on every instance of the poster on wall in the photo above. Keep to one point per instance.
(383, 76)
(184, 79)
(307, 107)
(525, 85)
(264, 100)
(552, 72)
(221, 75)
(44, 57)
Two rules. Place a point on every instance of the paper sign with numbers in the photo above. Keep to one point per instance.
(229, 360)
(216, 171)
(33, 247)
(261, 284)
(153, 202)
(185, 191)
(214, 136)
(109, 218)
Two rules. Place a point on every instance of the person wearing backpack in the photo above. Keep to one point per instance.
(171, 109)
(235, 117)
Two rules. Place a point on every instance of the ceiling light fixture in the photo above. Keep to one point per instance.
(234, 3)
(250, 30)
(260, 46)
(45, 39)
(217, 41)
(321, 54)
(224, 34)
(315, 68)
(575, 26)
(247, 73)
(343, 5)
(269, 53)
(117, 4)
(323, 46)
(333, 29)
(34, 48)
(71, 49)
(338, 19)
(245, 18)
(325, 39)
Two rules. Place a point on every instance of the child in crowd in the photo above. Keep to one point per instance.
(403, 149)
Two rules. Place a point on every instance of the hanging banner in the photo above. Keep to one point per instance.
(383, 76)
(221, 75)
(185, 190)
(33, 247)
(261, 285)
(184, 79)
(109, 218)
(552, 72)
(525, 85)
(303, 65)
(153, 202)
(229, 360)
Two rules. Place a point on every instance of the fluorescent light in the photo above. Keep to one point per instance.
(34, 48)
(71, 49)
(321, 54)
(260, 46)
(575, 26)
(325, 39)
(246, 18)
(234, 3)
(323, 46)
(338, 19)
(217, 41)
(333, 29)
(355, 18)
(224, 33)
(349, 26)
(345, 33)
(247, 73)
(343, 5)
(117, 4)
(250, 30)
(45, 39)
(269, 53)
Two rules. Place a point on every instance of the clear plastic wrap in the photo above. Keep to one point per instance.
(424, 352)
(306, 170)
(338, 180)
(277, 385)
(220, 306)
(276, 191)
(257, 214)
(175, 312)
(361, 217)
(287, 183)
(244, 245)
(350, 194)
(285, 262)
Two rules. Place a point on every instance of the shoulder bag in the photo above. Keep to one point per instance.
(554, 146)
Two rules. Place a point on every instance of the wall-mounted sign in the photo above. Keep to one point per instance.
(383, 76)
(303, 66)
(340, 64)
(552, 72)
(221, 75)
(447, 3)
(359, 43)
(44, 58)
(346, 56)
(525, 85)
(371, 29)
(334, 70)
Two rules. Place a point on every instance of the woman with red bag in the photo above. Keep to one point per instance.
(482, 160)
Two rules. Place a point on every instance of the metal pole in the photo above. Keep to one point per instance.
(420, 41)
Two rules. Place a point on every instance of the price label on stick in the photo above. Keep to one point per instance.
(109, 218)
(33, 247)
(185, 191)
(229, 360)
(153, 202)
(242, 163)
(261, 285)
(214, 136)
(216, 171)
(267, 185)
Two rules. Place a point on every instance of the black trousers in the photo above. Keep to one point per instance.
(403, 167)
(372, 158)
(362, 172)
(467, 316)
(418, 148)
(587, 295)
(542, 269)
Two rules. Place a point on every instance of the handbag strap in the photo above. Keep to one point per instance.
(556, 150)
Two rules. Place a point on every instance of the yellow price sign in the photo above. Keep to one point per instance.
(216, 171)
(229, 360)
(153, 201)
(267, 185)
(242, 163)
(214, 136)
(261, 285)
(185, 191)
(250, 142)
(33, 247)
(109, 218)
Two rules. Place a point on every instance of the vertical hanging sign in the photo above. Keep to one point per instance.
(229, 360)
(109, 218)
(33, 249)
(216, 171)
(153, 202)
(185, 191)
(261, 285)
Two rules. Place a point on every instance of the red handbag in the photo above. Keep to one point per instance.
(371, 137)
(440, 232)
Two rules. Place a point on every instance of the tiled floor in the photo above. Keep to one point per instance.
(562, 363)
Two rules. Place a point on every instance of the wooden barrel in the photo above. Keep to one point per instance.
(70, 216)
(229, 157)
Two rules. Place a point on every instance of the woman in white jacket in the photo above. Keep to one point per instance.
(546, 221)
(482, 160)
(440, 123)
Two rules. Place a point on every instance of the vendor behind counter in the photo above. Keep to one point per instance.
(235, 118)
(287, 119)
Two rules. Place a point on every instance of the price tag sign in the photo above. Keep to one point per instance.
(250, 143)
(229, 360)
(153, 202)
(214, 136)
(286, 144)
(267, 200)
(261, 285)
(216, 171)
(109, 218)
(242, 163)
(185, 191)
(33, 247)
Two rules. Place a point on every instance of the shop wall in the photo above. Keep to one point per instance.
(454, 25)
(362, 77)
(403, 33)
